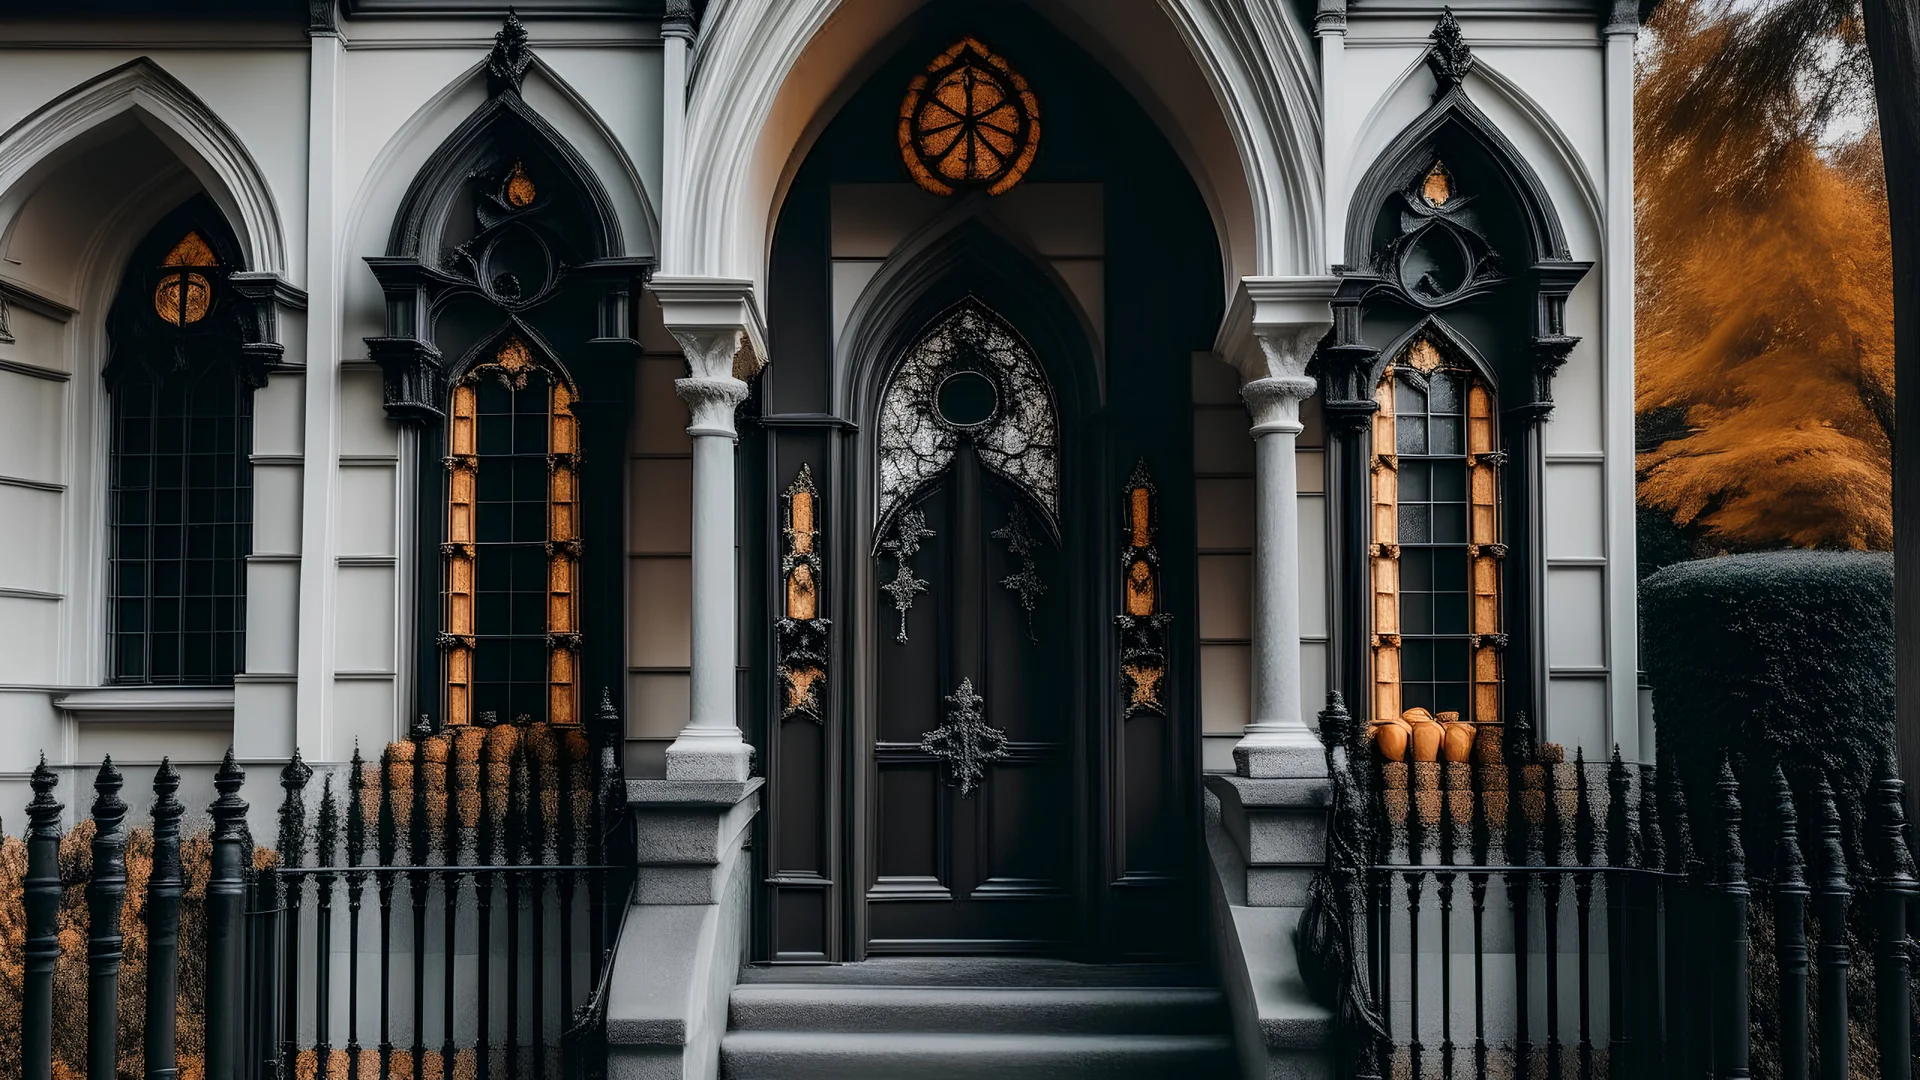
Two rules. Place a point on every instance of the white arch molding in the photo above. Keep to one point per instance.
(39, 143)
(766, 71)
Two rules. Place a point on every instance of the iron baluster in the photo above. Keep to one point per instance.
(389, 850)
(106, 891)
(356, 881)
(486, 843)
(516, 840)
(1553, 843)
(1688, 1049)
(459, 781)
(326, 844)
(1830, 896)
(293, 849)
(1893, 889)
(1790, 929)
(1730, 883)
(1622, 960)
(1415, 880)
(1643, 930)
(42, 904)
(1478, 888)
(1584, 836)
(1445, 879)
(419, 853)
(1519, 885)
(539, 791)
(165, 885)
(226, 913)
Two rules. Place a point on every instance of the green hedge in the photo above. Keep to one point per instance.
(1780, 656)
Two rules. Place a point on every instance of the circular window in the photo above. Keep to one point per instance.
(969, 121)
(967, 399)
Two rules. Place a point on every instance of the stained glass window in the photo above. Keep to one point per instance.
(185, 292)
(972, 375)
(969, 120)
(1437, 549)
(513, 543)
(181, 508)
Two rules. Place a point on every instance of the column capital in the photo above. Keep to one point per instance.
(1275, 403)
(1274, 324)
(717, 323)
(711, 402)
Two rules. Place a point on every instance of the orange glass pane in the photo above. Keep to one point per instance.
(183, 298)
(520, 189)
(968, 120)
(190, 251)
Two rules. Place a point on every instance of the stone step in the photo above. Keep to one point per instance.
(798, 1055)
(803, 1007)
(1004, 971)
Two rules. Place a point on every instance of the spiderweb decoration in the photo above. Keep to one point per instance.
(1020, 441)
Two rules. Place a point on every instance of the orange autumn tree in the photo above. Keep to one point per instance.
(1765, 320)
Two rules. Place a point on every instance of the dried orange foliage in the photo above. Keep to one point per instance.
(1765, 321)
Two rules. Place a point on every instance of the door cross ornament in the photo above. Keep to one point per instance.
(907, 534)
(1026, 584)
(966, 742)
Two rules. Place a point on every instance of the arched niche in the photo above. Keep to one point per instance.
(1457, 250)
(507, 258)
(1228, 82)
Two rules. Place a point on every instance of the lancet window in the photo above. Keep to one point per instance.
(180, 394)
(1436, 543)
(512, 632)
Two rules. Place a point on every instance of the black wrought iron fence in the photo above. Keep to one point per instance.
(447, 911)
(1520, 915)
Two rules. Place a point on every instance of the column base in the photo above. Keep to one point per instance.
(721, 756)
(1278, 755)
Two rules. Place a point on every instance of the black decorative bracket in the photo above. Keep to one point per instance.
(908, 531)
(966, 743)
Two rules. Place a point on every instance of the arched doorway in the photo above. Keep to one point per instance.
(979, 732)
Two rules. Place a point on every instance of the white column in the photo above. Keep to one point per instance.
(1278, 741)
(320, 477)
(1628, 730)
(710, 747)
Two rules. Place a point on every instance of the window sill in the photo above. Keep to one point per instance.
(154, 704)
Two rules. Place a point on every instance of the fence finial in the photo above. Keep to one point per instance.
(43, 813)
(1887, 851)
(1790, 866)
(167, 812)
(293, 810)
(1678, 836)
(229, 811)
(109, 809)
(1830, 869)
(327, 829)
(1623, 828)
(1730, 863)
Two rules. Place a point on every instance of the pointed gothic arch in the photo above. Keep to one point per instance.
(40, 142)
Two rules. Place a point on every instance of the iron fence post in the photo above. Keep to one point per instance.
(1622, 968)
(1830, 895)
(106, 889)
(1790, 894)
(1893, 890)
(1730, 1041)
(226, 914)
(164, 889)
(42, 912)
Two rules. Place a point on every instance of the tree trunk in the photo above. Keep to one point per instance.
(1893, 42)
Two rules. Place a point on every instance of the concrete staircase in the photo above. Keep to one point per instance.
(962, 1018)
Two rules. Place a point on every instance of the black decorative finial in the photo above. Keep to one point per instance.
(1887, 850)
(109, 809)
(43, 813)
(508, 62)
(1449, 59)
(1730, 864)
(229, 811)
(1790, 866)
(1830, 867)
(1623, 825)
(293, 810)
(422, 728)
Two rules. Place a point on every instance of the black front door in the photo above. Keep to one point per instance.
(972, 807)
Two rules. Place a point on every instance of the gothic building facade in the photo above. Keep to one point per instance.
(951, 451)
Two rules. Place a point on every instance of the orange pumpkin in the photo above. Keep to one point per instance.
(1427, 734)
(1392, 736)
